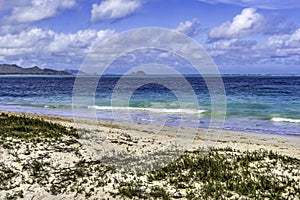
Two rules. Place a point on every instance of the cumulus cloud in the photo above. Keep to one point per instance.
(286, 41)
(47, 44)
(190, 28)
(232, 47)
(280, 40)
(279, 49)
(24, 42)
(13, 28)
(36, 10)
(265, 4)
(114, 9)
(83, 41)
(243, 24)
(234, 44)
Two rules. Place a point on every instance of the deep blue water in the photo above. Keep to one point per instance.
(263, 104)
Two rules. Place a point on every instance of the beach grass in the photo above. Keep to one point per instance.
(24, 128)
(51, 158)
(221, 174)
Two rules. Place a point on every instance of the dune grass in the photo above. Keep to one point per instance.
(24, 128)
(221, 174)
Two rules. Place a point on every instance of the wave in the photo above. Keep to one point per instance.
(56, 106)
(281, 119)
(154, 110)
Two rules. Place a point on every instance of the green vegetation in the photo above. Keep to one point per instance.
(6, 177)
(31, 129)
(18, 130)
(222, 174)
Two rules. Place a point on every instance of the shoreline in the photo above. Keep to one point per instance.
(286, 144)
(257, 122)
(65, 117)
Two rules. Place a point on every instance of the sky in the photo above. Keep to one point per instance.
(241, 36)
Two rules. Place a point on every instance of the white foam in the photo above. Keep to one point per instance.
(281, 119)
(154, 110)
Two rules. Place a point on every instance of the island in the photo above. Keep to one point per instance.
(13, 69)
(138, 73)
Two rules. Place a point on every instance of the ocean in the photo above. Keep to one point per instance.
(254, 103)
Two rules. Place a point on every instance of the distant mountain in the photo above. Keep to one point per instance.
(8, 69)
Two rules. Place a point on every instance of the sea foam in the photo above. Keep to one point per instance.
(281, 119)
(153, 110)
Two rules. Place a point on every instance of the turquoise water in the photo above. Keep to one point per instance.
(263, 104)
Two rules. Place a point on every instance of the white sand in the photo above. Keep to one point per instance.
(141, 139)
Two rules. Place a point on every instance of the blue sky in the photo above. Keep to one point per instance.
(242, 36)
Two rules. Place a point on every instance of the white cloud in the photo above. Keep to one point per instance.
(47, 45)
(232, 47)
(234, 44)
(82, 42)
(282, 43)
(286, 41)
(25, 42)
(114, 9)
(265, 4)
(190, 28)
(246, 23)
(36, 10)
(279, 49)
(13, 28)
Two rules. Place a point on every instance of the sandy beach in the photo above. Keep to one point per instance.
(134, 139)
(284, 144)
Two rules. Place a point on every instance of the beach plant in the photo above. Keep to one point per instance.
(16, 195)
(32, 129)
(223, 172)
(7, 176)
